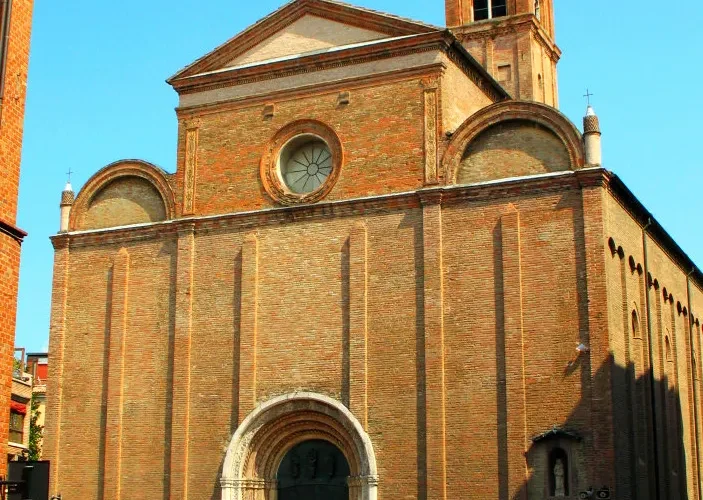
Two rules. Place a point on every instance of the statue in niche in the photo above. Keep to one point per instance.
(559, 484)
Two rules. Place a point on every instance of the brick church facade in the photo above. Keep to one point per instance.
(15, 30)
(386, 267)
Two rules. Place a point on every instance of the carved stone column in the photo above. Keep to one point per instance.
(431, 126)
(363, 487)
(191, 165)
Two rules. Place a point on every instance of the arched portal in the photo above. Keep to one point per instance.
(265, 438)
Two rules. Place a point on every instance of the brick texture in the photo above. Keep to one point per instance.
(124, 201)
(11, 127)
(512, 149)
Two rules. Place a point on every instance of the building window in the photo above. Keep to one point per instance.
(636, 325)
(16, 427)
(305, 164)
(488, 9)
(538, 10)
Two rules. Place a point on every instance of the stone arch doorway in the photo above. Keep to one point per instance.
(265, 438)
(313, 470)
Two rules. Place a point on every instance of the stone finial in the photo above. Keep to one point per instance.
(67, 195)
(591, 138)
(67, 199)
(590, 121)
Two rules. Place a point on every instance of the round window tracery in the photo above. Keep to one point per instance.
(305, 164)
(301, 162)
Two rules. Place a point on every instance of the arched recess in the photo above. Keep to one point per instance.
(262, 440)
(544, 117)
(142, 172)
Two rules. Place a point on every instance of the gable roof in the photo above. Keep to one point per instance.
(333, 10)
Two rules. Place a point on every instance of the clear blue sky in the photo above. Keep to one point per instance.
(96, 94)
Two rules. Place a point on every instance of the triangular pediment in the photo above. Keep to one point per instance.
(303, 27)
(308, 34)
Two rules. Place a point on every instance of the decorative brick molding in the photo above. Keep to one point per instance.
(504, 111)
(264, 437)
(430, 125)
(270, 176)
(191, 164)
(120, 169)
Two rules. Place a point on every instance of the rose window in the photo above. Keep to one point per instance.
(305, 164)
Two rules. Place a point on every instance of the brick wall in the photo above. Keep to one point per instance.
(231, 141)
(512, 149)
(498, 264)
(11, 126)
(129, 200)
(667, 304)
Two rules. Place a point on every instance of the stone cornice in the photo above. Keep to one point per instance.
(493, 190)
(442, 41)
(12, 231)
(355, 82)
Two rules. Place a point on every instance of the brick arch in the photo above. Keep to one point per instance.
(118, 170)
(510, 111)
(274, 427)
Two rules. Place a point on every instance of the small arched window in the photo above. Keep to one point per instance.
(488, 9)
(538, 10)
(635, 325)
(558, 473)
(667, 343)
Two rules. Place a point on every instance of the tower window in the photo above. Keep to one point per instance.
(488, 9)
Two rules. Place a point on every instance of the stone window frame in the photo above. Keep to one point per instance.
(271, 179)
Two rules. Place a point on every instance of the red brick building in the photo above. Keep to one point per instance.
(386, 267)
(15, 28)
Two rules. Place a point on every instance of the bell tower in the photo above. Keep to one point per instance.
(513, 40)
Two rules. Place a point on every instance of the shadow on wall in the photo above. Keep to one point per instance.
(648, 442)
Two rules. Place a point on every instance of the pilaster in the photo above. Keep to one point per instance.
(52, 441)
(435, 392)
(358, 326)
(191, 165)
(431, 126)
(182, 339)
(119, 296)
(598, 364)
(248, 327)
(516, 422)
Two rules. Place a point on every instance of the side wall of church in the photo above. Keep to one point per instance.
(656, 389)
